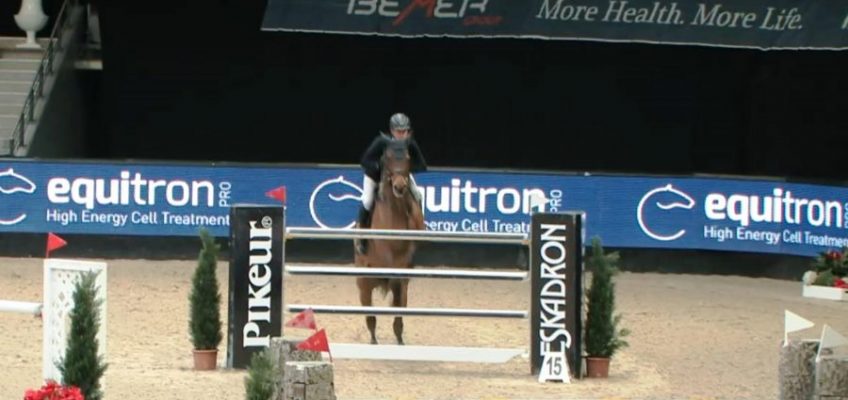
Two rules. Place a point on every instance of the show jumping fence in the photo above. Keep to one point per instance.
(555, 273)
(60, 278)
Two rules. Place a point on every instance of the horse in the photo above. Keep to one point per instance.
(394, 207)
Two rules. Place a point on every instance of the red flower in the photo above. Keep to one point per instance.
(54, 391)
(833, 255)
(33, 395)
(840, 283)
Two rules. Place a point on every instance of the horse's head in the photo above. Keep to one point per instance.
(396, 166)
(664, 198)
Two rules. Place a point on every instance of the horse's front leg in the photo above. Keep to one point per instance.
(399, 289)
(366, 288)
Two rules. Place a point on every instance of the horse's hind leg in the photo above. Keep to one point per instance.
(366, 288)
(399, 288)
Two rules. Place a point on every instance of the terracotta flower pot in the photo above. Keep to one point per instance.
(597, 367)
(205, 360)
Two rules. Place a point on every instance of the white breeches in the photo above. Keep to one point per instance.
(369, 187)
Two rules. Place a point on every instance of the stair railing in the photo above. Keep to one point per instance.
(45, 68)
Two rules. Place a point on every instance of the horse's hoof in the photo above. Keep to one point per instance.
(400, 342)
(373, 341)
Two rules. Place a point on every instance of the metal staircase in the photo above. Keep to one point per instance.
(26, 78)
(17, 71)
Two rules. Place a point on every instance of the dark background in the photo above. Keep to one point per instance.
(199, 80)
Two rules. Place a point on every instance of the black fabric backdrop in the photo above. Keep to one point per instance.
(199, 80)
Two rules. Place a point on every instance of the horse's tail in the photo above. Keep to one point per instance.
(383, 284)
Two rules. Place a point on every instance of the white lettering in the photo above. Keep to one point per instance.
(737, 209)
(251, 338)
(259, 276)
(170, 193)
(464, 196)
(721, 18)
(516, 204)
(81, 192)
(779, 207)
(129, 189)
(560, 251)
(57, 190)
(552, 294)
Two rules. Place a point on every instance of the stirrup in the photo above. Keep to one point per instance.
(361, 246)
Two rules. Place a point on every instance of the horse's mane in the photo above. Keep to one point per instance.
(396, 148)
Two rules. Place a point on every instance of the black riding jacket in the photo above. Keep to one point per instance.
(371, 159)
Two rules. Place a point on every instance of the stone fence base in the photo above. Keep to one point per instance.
(801, 377)
(303, 374)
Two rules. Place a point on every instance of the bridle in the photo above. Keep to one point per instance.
(402, 169)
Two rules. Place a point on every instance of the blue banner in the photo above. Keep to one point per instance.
(648, 212)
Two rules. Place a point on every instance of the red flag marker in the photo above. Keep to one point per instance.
(316, 342)
(278, 194)
(304, 319)
(53, 242)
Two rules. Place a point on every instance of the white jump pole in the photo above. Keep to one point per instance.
(424, 353)
(408, 311)
(306, 269)
(23, 307)
(294, 232)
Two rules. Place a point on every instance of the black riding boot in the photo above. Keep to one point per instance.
(363, 221)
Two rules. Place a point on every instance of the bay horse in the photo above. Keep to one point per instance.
(394, 208)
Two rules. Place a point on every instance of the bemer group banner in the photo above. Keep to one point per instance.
(763, 24)
(625, 211)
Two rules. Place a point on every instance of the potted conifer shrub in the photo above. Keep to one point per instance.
(205, 313)
(602, 335)
(82, 367)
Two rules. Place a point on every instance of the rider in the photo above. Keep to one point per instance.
(400, 129)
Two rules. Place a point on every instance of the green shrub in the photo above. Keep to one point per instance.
(825, 278)
(260, 382)
(603, 338)
(205, 313)
(82, 366)
(830, 265)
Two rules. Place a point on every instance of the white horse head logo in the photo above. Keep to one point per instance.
(337, 198)
(18, 183)
(682, 200)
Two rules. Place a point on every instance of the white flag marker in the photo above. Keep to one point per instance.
(792, 323)
(538, 200)
(830, 338)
